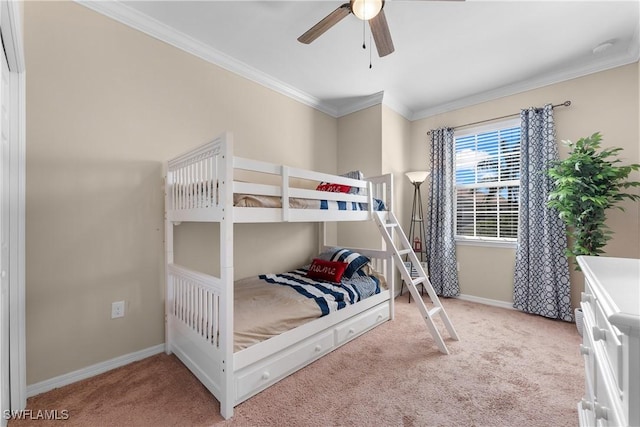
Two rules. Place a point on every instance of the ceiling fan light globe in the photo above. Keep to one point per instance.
(366, 9)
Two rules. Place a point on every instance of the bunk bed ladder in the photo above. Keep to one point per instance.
(385, 225)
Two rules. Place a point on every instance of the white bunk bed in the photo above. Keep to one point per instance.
(200, 187)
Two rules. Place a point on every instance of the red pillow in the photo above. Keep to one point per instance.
(334, 188)
(331, 271)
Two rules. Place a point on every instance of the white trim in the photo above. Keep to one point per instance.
(361, 103)
(486, 301)
(486, 242)
(561, 75)
(17, 333)
(498, 124)
(93, 370)
(14, 44)
(396, 105)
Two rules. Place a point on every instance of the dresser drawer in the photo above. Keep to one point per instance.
(360, 324)
(608, 405)
(588, 353)
(608, 337)
(257, 377)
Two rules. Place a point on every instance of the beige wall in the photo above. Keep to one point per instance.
(396, 136)
(360, 139)
(606, 102)
(106, 105)
(378, 139)
(359, 147)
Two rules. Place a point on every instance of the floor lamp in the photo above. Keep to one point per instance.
(416, 226)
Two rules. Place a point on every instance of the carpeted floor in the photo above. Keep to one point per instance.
(508, 369)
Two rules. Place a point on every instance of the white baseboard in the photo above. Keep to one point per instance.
(91, 371)
(487, 301)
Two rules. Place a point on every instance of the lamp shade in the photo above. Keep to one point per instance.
(366, 9)
(417, 176)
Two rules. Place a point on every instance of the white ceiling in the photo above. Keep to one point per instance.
(448, 54)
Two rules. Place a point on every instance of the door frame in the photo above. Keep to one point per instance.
(12, 39)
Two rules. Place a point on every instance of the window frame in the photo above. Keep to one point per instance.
(500, 242)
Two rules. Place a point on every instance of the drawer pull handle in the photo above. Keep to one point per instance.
(601, 412)
(352, 331)
(584, 350)
(586, 297)
(586, 405)
(599, 334)
(379, 317)
(318, 348)
(266, 375)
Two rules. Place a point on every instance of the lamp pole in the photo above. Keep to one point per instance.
(417, 218)
(417, 240)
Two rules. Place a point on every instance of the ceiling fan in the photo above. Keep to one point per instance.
(367, 10)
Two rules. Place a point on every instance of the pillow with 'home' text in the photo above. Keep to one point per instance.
(341, 188)
(334, 188)
(331, 271)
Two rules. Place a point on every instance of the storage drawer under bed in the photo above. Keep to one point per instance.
(260, 375)
(255, 378)
(359, 324)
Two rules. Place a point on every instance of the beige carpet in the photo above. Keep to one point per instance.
(508, 369)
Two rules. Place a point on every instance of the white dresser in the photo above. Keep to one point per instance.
(611, 342)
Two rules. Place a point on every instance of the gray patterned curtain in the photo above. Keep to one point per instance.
(542, 270)
(441, 247)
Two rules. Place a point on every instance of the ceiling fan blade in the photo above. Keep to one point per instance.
(381, 34)
(327, 22)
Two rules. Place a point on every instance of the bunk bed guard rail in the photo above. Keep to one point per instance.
(200, 181)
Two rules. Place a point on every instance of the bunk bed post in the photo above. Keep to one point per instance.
(227, 399)
(388, 196)
(168, 247)
(285, 193)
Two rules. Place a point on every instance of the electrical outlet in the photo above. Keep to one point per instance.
(117, 309)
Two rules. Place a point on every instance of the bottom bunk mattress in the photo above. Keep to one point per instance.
(271, 304)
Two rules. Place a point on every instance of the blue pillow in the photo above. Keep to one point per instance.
(354, 175)
(354, 260)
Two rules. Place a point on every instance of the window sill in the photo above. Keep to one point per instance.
(491, 243)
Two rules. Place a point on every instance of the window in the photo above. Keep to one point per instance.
(488, 183)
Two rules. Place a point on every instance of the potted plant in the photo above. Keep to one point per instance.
(587, 183)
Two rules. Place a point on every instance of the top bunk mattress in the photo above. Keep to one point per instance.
(260, 201)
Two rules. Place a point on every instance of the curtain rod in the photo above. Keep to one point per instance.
(563, 104)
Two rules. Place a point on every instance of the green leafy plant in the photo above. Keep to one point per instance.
(587, 183)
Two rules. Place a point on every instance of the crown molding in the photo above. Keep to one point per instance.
(630, 56)
(360, 103)
(396, 105)
(156, 29)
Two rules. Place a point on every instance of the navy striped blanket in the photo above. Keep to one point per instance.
(329, 296)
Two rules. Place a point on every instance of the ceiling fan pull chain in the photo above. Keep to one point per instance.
(363, 45)
(370, 66)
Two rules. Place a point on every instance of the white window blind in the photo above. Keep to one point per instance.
(488, 182)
